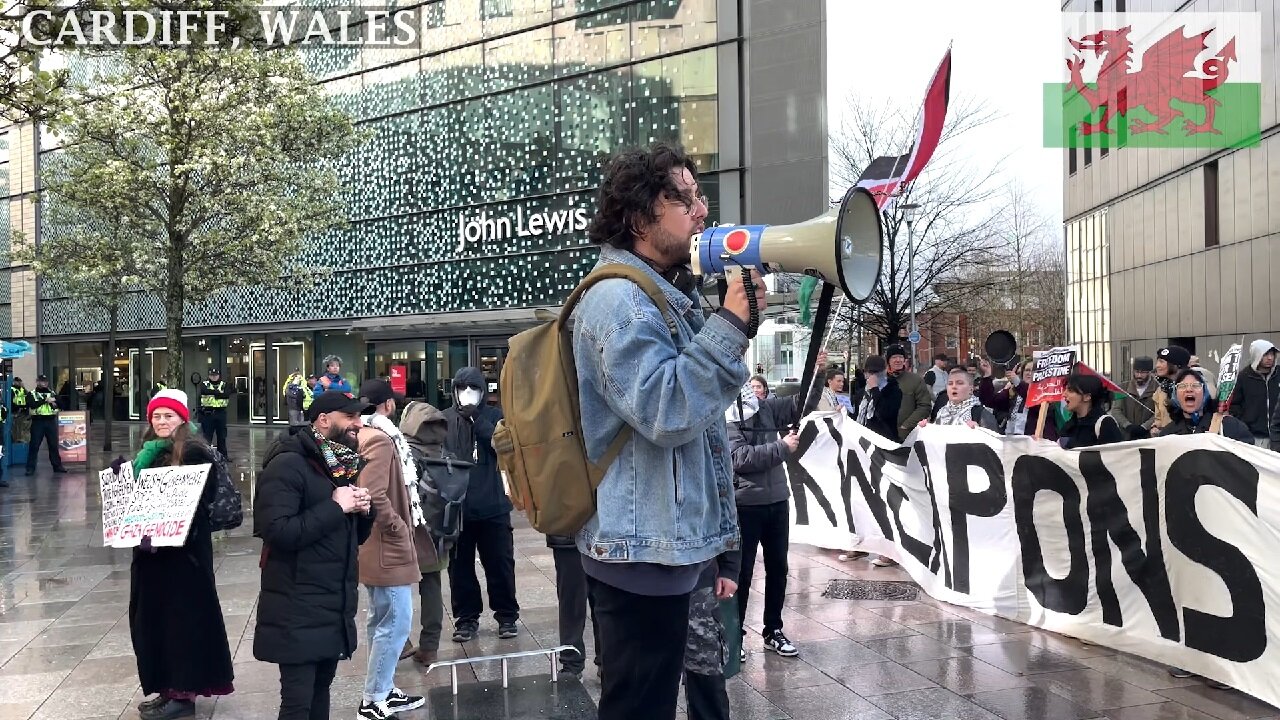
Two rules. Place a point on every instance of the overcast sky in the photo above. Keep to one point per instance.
(1003, 51)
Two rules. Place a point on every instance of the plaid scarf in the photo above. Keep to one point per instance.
(343, 462)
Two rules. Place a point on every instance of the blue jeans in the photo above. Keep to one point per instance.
(390, 620)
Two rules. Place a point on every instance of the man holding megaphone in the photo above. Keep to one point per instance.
(665, 508)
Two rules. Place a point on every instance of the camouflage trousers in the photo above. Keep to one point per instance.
(22, 428)
(705, 652)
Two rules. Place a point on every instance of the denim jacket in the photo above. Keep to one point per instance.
(668, 497)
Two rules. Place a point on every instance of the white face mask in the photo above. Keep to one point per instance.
(469, 396)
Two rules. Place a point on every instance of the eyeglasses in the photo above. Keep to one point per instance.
(1187, 386)
(690, 204)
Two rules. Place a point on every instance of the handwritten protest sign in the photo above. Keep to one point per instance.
(115, 491)
(161, 504)
(1049, 375)
(1228, 370)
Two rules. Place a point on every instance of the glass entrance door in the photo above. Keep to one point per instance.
(259, 385)
(492, 358)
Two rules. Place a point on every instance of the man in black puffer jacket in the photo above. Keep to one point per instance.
(312, 519)
(486, 523)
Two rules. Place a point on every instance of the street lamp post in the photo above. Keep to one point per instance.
(908, 215)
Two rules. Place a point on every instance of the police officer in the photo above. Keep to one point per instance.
(214, 397)
(44, 425)
(21, 398)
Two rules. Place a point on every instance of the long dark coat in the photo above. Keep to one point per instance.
(175, 619)
(307, 606)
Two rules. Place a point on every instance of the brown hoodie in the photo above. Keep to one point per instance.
(424, 428)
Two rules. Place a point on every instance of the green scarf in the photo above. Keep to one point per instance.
(343, 462)
(150, 452)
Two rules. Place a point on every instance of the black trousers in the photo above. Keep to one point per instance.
(304, 690)
(770, 526)
(641, 651)
(44, 428)
(574, 601)
(215, 422)
(705, 696)
(493, 540)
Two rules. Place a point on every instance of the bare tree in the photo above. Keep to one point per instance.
(1023, 292)
(955, 230)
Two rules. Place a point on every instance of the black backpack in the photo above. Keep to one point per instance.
(226, 510)
(442, 488)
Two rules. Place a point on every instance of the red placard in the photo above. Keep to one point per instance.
(1049, 377)
(399, 378)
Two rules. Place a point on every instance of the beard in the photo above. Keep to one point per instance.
(343, 437)
(673, 249)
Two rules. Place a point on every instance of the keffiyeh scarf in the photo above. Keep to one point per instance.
(957, 413)
(343, 462)
(408, 468)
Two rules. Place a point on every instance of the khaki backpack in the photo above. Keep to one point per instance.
(539, 442)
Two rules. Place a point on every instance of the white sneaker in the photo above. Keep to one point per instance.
(779, 643)
(374, 711)
(883, 561)
(851, 555)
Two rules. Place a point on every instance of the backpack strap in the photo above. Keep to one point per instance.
(1097, 426)
(624, 272)
(620, 271)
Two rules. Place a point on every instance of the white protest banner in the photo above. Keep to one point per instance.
(1164, 548)
(115, 491)
(163, 502)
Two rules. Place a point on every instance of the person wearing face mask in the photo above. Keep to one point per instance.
(486, 525)
(877, 402)
(312, 518)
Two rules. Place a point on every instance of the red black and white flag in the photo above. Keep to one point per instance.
(884, 175)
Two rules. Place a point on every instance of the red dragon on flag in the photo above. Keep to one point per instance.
(1162, 77)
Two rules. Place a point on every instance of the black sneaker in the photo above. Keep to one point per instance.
(779, 643)
(170, 710)
(465, 633)
(397, 701)
(374, 711)
(1180, 673)
(506, 631)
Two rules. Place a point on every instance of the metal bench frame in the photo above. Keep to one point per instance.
(552, 654)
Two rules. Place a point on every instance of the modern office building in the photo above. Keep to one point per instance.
(1174, 246)
(504, 114)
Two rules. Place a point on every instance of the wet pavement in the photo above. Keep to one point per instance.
(65, 651)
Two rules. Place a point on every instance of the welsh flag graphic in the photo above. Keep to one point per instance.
(1157, 79)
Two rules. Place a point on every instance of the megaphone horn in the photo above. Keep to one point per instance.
(841, 247)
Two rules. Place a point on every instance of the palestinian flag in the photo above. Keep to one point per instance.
(1106, 381)
(1156, 79)
(885, 174)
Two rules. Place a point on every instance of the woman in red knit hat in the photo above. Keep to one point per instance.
(175, 619)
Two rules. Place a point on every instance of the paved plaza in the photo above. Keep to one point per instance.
(65, 651)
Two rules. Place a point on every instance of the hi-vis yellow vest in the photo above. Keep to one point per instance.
(210, 401)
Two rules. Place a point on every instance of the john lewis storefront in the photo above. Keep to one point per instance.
(469, 202)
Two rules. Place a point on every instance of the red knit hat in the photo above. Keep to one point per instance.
(175, 400)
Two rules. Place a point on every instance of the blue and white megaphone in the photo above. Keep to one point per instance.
(841, 247)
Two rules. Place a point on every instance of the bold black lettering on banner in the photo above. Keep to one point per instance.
(871, 493)
(918, 549)
(802, 481)
(988, 503)
(939, 558)
(1242, 637)
(1032, 474)
(1108, 516)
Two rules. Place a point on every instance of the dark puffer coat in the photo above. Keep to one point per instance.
(307, 607)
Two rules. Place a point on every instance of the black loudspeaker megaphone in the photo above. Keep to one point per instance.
(841, 247)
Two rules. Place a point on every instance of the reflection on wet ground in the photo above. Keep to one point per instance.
(65, 651)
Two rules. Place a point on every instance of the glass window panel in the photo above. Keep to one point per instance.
(605, 43)
(569, 8)
(453, 75)
(675, 100)
(522, 59)
(593, 120)
(666, 26)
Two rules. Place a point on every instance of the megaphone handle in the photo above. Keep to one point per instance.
(753, 310)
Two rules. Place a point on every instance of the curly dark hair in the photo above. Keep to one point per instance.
(634, 180)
